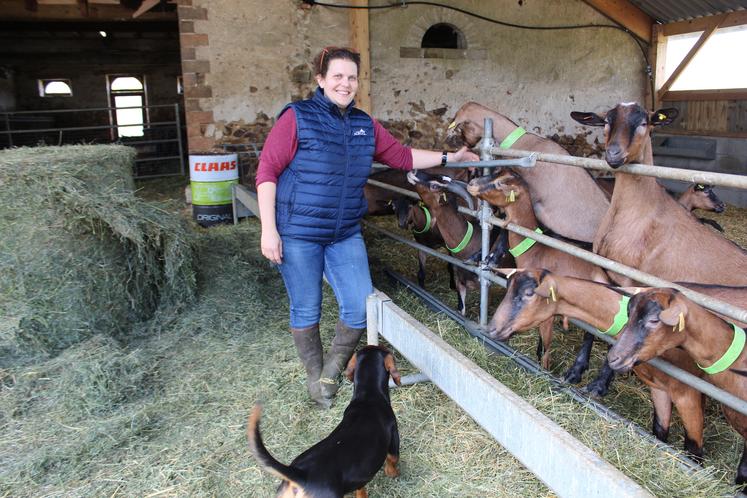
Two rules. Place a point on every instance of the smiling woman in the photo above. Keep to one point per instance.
(310, 180)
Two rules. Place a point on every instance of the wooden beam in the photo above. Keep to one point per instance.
(701, 23)
(28, 10)
(658, 61)
(359, 41)
(145, 7)
(627, 15)
(715, 22)
(721, 94)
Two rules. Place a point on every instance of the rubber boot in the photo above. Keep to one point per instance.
(309, 347)
(343, 345)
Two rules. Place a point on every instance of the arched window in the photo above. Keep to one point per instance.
(443, 35)
(127, 95)
(55, 88)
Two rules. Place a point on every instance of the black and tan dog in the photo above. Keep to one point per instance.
(353, 453)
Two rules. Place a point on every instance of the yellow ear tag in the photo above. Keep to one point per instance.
(512, 196)
(452, 125)
(443, 196)
(681, 325)
(662, 117)
(552, 293)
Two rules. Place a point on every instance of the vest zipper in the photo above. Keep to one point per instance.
(345, 128)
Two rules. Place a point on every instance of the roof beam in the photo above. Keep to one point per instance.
(145, 7)
(627, 15)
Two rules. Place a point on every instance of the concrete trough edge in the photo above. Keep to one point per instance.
(559, 460)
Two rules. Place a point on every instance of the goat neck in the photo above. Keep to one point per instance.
(591, 302)
(451, 224)
(707, 337)
(467, 127)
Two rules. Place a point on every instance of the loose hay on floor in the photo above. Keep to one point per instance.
(165, 413)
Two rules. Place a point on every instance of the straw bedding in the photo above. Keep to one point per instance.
(127, 386)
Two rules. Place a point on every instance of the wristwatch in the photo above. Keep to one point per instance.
(443, 158)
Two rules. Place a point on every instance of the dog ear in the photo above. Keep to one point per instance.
(391, 368)
(350, 370)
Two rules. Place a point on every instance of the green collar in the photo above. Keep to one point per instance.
(731, 354)
(465, 240)
(512, 137)
(427, 221)
(524, 245)
(621, 318)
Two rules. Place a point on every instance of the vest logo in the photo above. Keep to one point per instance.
(359, 133)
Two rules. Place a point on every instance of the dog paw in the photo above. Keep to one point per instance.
(391, 470)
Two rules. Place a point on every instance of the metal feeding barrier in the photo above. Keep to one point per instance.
(160, 149)
(485, 216)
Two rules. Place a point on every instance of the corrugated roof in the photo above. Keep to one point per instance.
(666, 11)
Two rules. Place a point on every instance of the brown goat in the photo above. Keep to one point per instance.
(566, 200)
(381, 201)
(644, 227)
(699, 196)
(413, 216)
(510, 193)
(534, 296)
(455, 228)
(662, 320)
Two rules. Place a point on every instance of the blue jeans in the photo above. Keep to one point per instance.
(344, 263)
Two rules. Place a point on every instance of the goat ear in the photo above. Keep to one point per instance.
(350, 370)
(547, 287)
(391, 368)
(671, 316)
(588, 118)
(664, 116)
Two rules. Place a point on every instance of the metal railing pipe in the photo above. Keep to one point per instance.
(697, 383)
(686, 175)
(724, 308)
(87, 109)
(709, 302)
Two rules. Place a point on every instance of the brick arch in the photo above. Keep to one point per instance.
(466, 26)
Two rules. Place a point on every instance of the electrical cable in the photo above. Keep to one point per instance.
(405, 3)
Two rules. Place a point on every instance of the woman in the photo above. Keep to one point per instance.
(310, 181)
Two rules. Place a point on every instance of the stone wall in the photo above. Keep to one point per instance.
(243, 62)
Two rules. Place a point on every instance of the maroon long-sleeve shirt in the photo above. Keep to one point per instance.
(282, 143)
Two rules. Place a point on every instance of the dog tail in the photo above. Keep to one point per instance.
(267, 461)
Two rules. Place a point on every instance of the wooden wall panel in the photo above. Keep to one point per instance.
(727, 118)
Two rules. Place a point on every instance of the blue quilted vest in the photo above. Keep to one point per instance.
(319, 195)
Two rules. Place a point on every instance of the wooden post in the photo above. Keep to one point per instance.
(658, 60)
(359, 41)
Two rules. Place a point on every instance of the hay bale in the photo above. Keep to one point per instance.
(80, 253)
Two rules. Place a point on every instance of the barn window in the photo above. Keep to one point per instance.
(700, 60)
(127, 94)
(443, 35)
(713, 66)
(55, 88)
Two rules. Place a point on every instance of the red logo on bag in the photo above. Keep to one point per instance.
(215, 166)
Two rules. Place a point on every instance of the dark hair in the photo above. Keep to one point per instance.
(321, 61)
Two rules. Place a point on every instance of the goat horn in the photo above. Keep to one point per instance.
(459, 188)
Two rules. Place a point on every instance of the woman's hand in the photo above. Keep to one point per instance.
(272, 246)
(464, 154)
